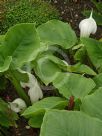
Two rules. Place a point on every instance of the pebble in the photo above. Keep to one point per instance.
(27, 127)
(55, 1)
(71, 20)
(76, 15)
(64, 2)
(62, 12)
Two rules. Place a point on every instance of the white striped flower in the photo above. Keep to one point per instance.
(17, 105)
(34, 92)
(87, 26)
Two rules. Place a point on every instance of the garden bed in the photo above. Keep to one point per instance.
(70, 12)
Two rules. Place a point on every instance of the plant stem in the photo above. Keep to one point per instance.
(18, 88)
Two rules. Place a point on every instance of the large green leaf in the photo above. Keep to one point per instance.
(36, 121)
(80, 55)
(36, 112)
(70, 123)
(2, 39)
(94, 49)
(81, 68)
(22, 43)
(43, 105)
(57, 32)
(69, 84)
(98, 80)
(47, 66)
(92, 104)
(4, 61)
(5, 64)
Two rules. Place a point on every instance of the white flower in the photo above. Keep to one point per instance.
(17, 105)
(87, 26)
(34, 92)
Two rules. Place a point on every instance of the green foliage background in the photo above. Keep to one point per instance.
(22, 11)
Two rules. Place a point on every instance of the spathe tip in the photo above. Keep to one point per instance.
(91, 13)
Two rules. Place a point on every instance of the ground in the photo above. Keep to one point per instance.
(71, 12)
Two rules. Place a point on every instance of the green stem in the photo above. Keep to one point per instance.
(19, 89)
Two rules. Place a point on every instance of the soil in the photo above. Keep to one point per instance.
(23, 129)
(69, 12)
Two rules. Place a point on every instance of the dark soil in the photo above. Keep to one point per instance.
(69, 12)
(23, 129)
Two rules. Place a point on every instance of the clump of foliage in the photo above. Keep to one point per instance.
(79, 85)
(22, 11)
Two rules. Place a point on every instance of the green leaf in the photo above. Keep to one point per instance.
(80, 55)
(22, 43)
(4, 120)
(36, 121)
(57, 32)
(98, 80)
(47, 66)
(5, 64)
(81, 68)
(100, 39)
(44, 104)
(2, 39)
(69, 84)
(92, 104)
(21, 77)
(3, 105)
(94, 49)
(61, 63)
(70, 123)
(36, 112)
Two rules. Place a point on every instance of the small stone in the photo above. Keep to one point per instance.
(27, 127)
(55, 1)
(71, 20)
(76, 15)
(62, 12)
